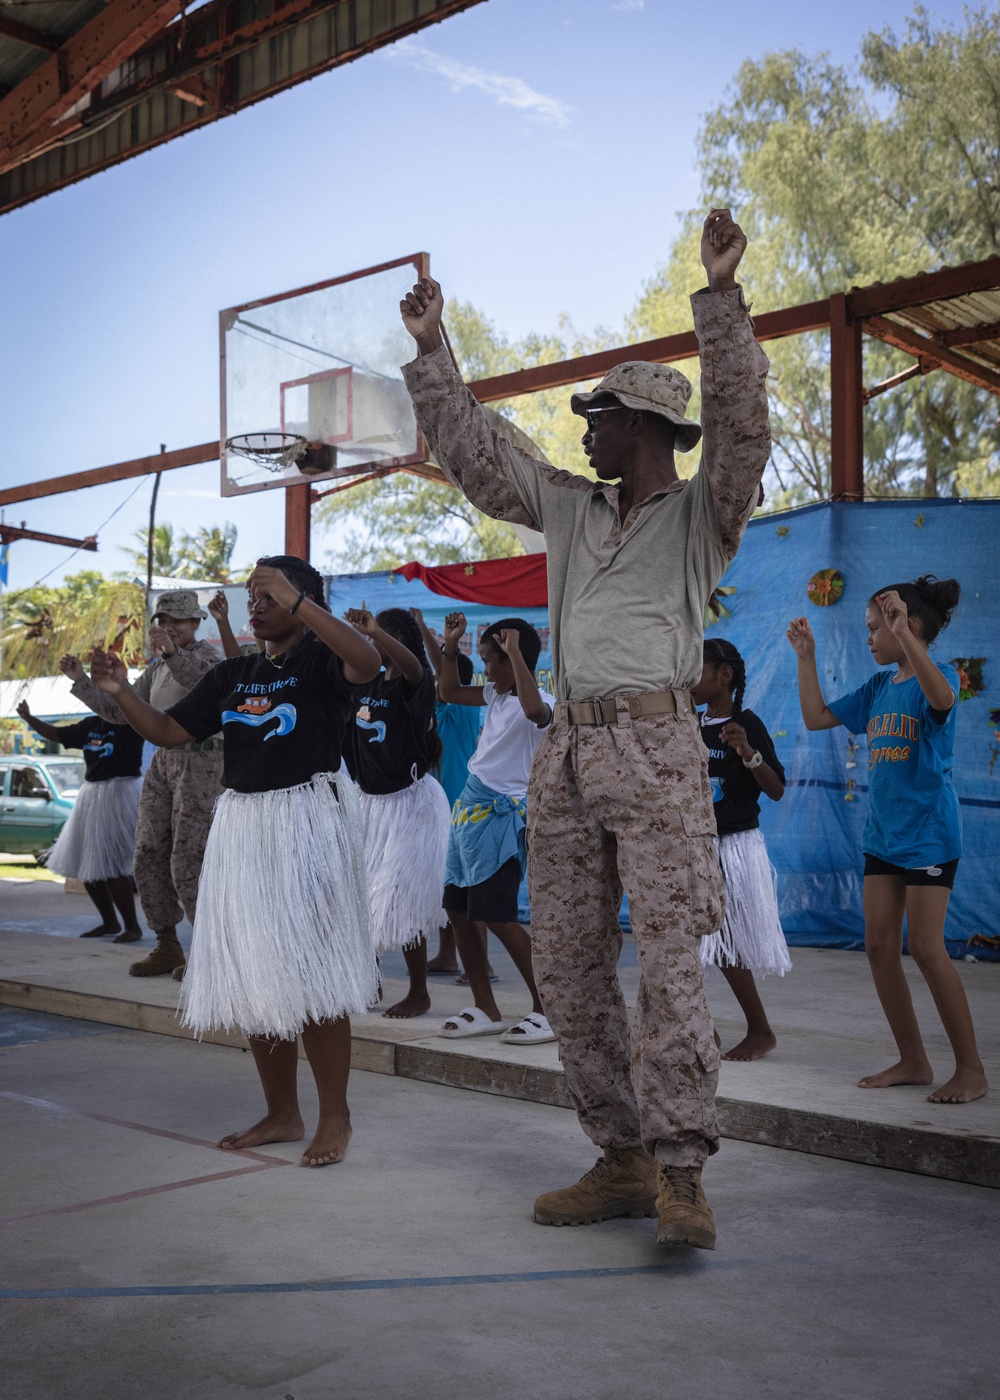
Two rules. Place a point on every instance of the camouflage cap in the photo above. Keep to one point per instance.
(179, 603)
(653, 389)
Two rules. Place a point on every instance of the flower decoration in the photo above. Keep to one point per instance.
(850, 765)
(470, 570)
(782, 532)
(825, 587)
(920, 521)
(970, 675)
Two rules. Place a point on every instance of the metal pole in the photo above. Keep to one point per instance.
(152, 527)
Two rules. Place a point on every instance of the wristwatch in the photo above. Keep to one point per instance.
(754, 761)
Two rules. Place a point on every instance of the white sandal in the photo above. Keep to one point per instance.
(533, 1030)
(471, 1021)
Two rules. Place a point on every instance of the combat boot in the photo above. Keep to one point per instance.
(621, 1183)
(685, 1215)
(167, 955)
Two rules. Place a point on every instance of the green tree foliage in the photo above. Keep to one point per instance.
(41, 624)
(843, 179)
(381, 524)
(206, 555)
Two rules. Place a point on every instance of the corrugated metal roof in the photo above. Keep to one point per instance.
(967, 312)
(57, 18)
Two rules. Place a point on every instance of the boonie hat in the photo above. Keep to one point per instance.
(653, 389)
(179, 603)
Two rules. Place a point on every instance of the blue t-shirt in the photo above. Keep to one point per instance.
(913, 815)
(458, 729)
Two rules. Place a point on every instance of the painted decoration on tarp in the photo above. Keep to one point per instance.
(970, 675)
(825, 587)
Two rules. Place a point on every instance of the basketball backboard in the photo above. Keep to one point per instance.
(312, 378)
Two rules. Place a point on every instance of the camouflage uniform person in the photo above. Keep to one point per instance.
(181, 785)
(619, 792)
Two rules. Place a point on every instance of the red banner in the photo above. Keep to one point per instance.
(502, 583)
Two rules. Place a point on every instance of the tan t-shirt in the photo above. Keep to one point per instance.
(626, 600)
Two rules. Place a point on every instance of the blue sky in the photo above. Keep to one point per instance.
(540, 150)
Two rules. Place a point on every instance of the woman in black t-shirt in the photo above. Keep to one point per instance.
(282, 940)
(97, 844)
(741, 765)
(391, 745)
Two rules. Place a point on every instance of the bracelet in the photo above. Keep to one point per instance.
(295, 606)
(754, 761)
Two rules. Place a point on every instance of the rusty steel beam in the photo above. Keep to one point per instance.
(10, 533)
(894, 380)
(882, 297)
(33, 38)
(298, 521)
(118, 471)
(924, 348)
(847, 440)
(28, 114)
(772, 325)
(968, 335)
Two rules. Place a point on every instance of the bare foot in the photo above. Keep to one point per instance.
(129, 935)
(100, 932)
(900, 1073)
(329, 1146)
(754, 1046)
(964, 1086)
(269, 1129)
(413, 1004)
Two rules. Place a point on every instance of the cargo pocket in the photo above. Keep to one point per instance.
(706, 893)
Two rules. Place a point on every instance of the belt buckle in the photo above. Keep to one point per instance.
(599, 709)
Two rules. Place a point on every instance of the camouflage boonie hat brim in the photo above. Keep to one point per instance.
(652, 388)
(179, 603)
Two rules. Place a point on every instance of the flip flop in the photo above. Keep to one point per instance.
(533, 1030)
(463, 981)
(471, 1021)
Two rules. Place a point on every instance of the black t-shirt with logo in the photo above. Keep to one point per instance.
(109, 750)
(735, 790)
(282, 721)
(386, 745)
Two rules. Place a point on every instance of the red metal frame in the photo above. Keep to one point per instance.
(421, 264)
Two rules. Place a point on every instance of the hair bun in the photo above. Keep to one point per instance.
(942, 594)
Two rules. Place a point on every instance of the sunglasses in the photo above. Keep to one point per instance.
(592, 414)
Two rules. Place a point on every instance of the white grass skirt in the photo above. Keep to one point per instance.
(406, 844)
(751, 936)
(98, 840)
(282, 934)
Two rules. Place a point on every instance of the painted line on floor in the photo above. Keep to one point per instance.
(142, 1128)
(682, 1263)
(142, 1191)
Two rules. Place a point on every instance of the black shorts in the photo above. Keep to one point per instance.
(942, 875)
(493, 900)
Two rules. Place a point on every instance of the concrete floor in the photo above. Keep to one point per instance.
(139, 1261)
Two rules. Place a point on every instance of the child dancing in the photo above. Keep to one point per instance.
(486, 849)
(282, 937)
(97, 844)
(913, 834)
(404, 810)
(741, 765)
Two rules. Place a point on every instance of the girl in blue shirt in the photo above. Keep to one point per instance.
(913, 835)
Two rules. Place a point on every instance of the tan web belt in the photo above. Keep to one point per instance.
(605, 709)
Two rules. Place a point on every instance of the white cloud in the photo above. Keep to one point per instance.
(507, 91)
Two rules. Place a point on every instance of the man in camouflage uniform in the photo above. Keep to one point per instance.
(181, 785)
(619, 792)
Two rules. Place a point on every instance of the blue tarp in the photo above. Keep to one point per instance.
(814, 834)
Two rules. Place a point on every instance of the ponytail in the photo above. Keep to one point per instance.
(930, 600)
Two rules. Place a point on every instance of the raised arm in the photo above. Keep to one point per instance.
(399, 656)
(736, 433)
(219, 608)
(85, 690)
(107, 671)
(500, 480)
(535, 708)
(431, 644)
(815, 711)
(937, 692)
(187, 665)
(361, 662)
(450, 688)
(40, 726)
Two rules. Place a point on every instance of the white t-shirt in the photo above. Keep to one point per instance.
(507, 743)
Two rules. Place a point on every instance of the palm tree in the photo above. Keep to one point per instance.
(208, 554)
(110, 613)
(166, 562)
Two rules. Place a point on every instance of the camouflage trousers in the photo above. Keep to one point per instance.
(179, 793)
(613, 807)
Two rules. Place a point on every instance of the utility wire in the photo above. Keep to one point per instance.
(100, 527)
